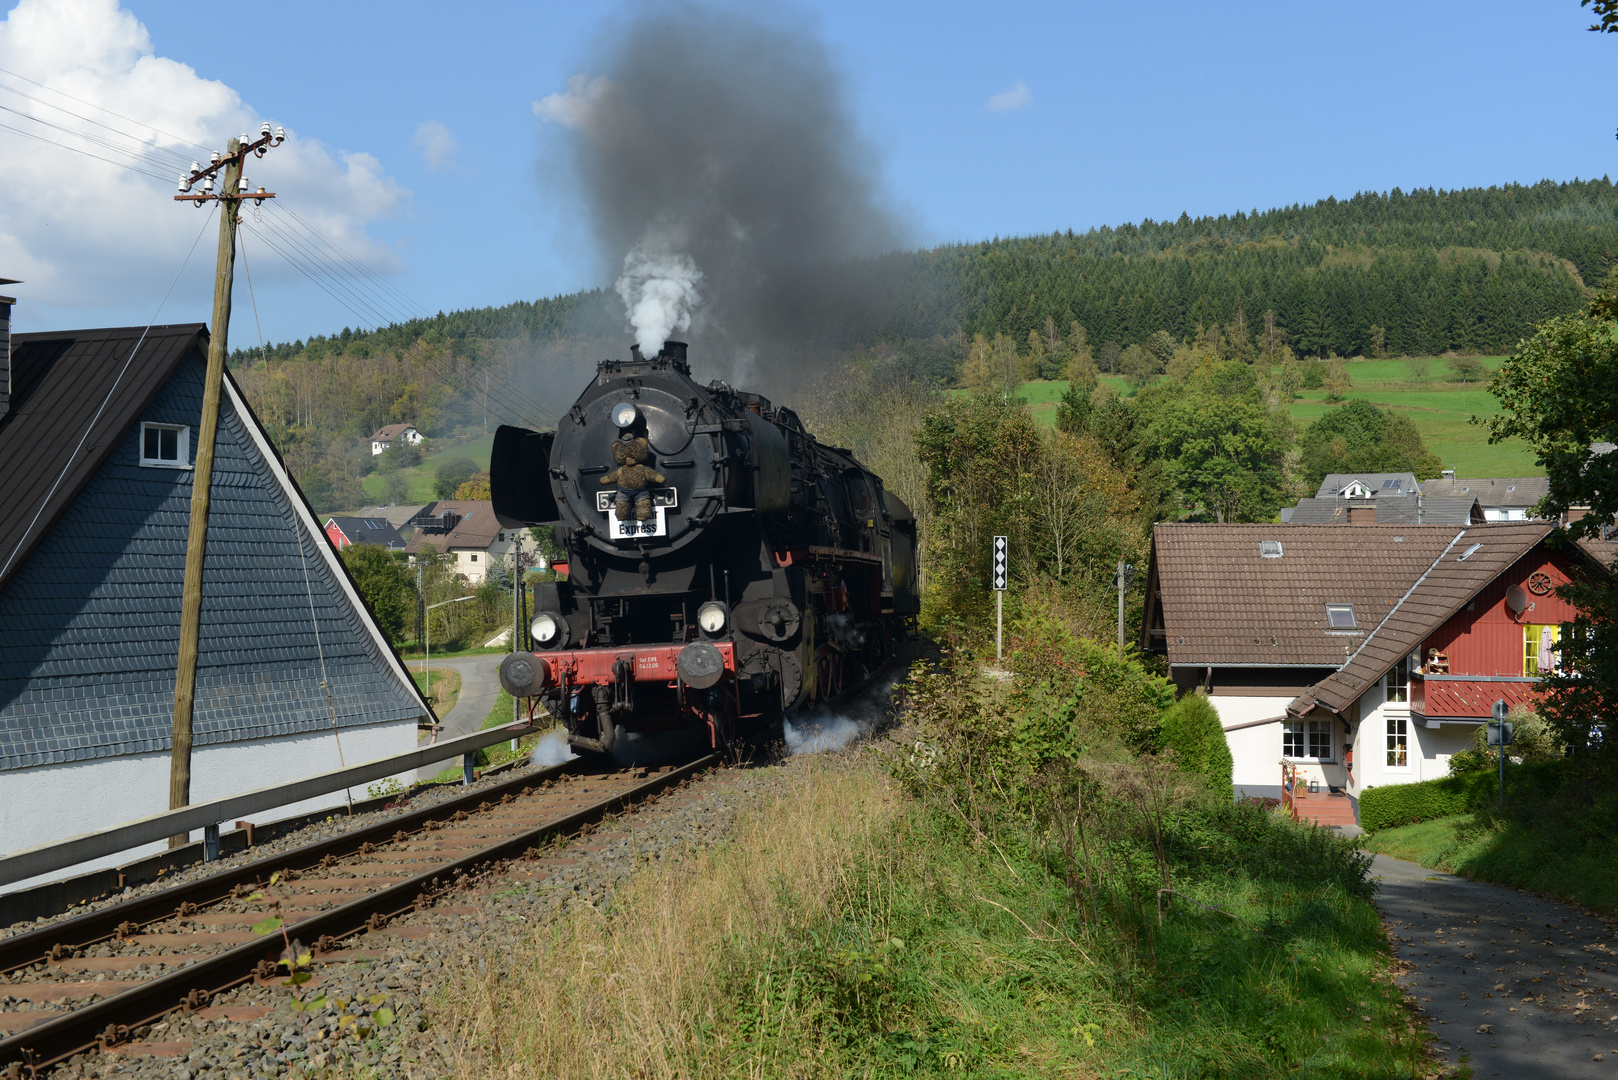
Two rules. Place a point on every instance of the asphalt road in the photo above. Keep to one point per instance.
(1516, 985)
(480, 689)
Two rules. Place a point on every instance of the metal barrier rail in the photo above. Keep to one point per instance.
(59, 854)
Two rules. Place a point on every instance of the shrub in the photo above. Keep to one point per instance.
(1191, 728)
(1532, 739)
(451, 474)
(1527, 786)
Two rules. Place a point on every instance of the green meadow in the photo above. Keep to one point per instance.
(1442, 411)
(420, 477)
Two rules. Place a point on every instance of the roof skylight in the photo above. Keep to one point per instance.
(1269, 549)
(1340, 616)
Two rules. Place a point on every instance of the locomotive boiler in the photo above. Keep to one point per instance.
(725, 568)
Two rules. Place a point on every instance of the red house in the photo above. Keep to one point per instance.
(1361, 655)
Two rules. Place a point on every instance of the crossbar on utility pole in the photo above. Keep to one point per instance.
(196, 545)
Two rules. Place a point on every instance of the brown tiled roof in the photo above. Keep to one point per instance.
(477, 528)
(1465, 566)
(1604, 552)
(1225, 604)
(391, 431)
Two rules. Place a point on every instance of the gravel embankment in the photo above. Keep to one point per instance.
(338, 823)
(387, 989)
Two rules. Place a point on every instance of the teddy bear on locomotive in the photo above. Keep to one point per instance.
(725, 569)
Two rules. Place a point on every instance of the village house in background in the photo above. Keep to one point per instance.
(97, 443)
(385, 436)
(397, 515)
(467, 532)
(347, 531)
(1510, 498)
(1364, 656)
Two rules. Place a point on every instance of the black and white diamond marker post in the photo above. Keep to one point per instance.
(1001, 561)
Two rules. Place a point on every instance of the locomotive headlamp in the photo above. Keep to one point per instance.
(712, 617)
(624, 413)
(549, 630)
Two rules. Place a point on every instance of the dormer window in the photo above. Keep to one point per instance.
(165, 446)
(1340, 616)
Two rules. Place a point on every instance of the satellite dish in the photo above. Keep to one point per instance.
(1517, 599)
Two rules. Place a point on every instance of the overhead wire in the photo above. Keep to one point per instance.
(102, 108)
(72, 457)
(145, 149)
(370, 306)
(86, 153)
(303, 554)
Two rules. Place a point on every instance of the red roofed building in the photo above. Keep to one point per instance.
(1362, 655)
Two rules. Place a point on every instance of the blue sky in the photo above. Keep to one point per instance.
(1114, 113)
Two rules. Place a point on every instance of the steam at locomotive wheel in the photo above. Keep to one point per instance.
(725, 569)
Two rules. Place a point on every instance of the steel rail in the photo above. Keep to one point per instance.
(94, 927)
(84, 1028)
(58, 854)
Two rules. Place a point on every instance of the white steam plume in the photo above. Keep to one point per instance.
(552, 749)
(659, 290)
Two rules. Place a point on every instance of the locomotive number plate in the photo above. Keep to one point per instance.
(663, 499)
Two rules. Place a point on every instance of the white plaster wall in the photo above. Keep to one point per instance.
(1256, 751)
(53, 802)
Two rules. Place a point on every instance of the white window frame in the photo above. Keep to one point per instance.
(182, 444)
(1303, 732)
(1410, 666)
(1402, 720)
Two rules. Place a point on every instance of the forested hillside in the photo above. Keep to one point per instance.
(1417, 273)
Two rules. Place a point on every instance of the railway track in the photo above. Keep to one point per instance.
(93, 981)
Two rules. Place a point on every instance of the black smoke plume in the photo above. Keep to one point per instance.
(728, 188)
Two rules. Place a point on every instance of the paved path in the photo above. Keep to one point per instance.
(1523, 987)
(480, 689)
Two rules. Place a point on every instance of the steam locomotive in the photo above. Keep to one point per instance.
(764, 573)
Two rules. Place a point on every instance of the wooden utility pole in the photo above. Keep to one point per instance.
(196, 547)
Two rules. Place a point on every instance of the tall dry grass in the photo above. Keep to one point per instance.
(650, 987)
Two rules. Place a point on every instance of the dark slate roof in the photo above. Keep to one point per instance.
(89, 623)
(1225, 604)
(1426, 510)
(1509, 491)
(74, 396)
(1471, 560)
(369, 530)
(1381, 484)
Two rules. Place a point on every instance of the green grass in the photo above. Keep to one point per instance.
(499, 753)
(1441, 410)
(446, 687)
(955, 957)
(420, 477)
(1548, 860)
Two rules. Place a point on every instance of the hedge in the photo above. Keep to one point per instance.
(1406, 804)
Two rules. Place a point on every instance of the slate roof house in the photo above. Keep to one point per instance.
(96, 455)
(385, 435)
(1364, 655)
(467, 531)
(347, 531)
(1508, 498)
(1417, 510)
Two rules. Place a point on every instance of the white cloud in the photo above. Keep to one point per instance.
(436, 144)
(1018, 97)
(577, 106)
(134, 234)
